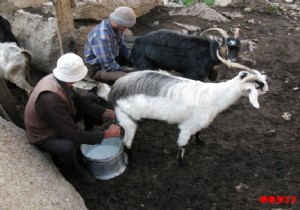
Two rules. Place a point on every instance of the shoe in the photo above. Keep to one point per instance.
(76, 172)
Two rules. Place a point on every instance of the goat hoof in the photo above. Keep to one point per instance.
(182, 163)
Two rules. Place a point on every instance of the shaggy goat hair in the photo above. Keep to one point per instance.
(193, 56)
(191, 104)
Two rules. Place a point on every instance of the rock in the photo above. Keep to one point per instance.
(241, 187)
(38, 34)
(270, 133)
(170, 3)
(249, 3)
(28, 179)
(247, 9)
(287, 116)
(232, 15)
(201, 10)
(156, 23)
(222, 3)
(251, 21)
(98, 10)
(290, 9)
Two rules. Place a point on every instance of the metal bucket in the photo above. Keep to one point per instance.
(106, 160)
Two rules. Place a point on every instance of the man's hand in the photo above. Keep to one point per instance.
(109, 114)
(112, 131)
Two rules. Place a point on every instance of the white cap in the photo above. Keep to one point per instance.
(70, 68)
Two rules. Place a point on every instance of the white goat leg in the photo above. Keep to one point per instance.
(183, 138)
(129, 127)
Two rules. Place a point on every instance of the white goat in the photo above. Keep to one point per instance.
(15, 65)
(87, 83)
(191, 104)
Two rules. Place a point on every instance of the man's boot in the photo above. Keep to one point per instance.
(74, 170)
(82, 175)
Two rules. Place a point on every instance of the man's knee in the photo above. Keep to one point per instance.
(91, 94)
(68, 147)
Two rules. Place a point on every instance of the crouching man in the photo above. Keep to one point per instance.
(53, 110)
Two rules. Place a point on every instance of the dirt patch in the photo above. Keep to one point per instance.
(249, 153)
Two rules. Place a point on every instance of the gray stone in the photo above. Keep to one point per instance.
(29, 180)
(201, 10)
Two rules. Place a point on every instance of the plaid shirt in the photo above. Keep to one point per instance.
(103, 45)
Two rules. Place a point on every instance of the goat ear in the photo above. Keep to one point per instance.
(27, 54)
(253, 96)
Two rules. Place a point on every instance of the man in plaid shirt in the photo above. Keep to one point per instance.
(106, 54)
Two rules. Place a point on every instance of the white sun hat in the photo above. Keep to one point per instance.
(70, 68)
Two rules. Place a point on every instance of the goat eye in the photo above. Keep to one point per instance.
(266, 78)
(259, 85)
(243, 75)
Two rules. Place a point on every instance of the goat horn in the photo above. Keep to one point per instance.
(232, 64)
(221, 31)
(251, 78)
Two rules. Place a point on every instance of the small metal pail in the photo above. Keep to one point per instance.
(106, 160)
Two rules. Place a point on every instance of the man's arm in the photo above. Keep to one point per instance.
(54, 111)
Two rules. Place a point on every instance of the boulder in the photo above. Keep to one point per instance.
(201, 10)
(98, 10)
(258, 4)
(28, 178)
(38, 34)
(222, 3)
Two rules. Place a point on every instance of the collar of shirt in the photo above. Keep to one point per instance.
(109, 27)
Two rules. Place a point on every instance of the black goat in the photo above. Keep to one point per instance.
(6, 34)
(192, 56)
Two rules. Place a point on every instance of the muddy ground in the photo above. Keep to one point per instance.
(249, 153)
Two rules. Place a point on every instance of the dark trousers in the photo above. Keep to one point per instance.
(66, 157)
(97, 73)
(65, 151)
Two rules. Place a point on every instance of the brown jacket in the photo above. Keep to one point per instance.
(54, 117)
